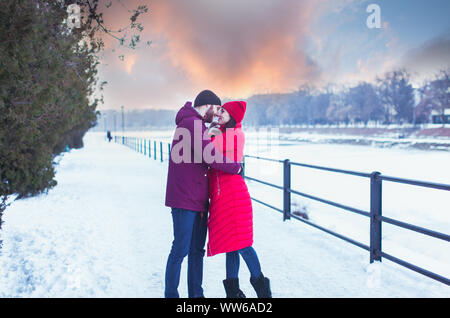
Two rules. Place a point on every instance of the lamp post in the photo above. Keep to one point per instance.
(123, 126)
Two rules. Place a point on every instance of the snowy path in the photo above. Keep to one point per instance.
(104, 231)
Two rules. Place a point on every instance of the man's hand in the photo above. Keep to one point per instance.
(214, 124)
(241, 170)
(214, 130)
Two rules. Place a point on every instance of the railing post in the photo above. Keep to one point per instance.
(160, 148)
(168, 149)
(286, 190)
(149, 148)
(375, 217)
(243, 167)
(154, 149)
(145, 147)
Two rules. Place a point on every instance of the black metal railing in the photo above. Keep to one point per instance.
(149, 147)
(374, 214)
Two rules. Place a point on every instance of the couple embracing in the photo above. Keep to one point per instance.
(210, 196)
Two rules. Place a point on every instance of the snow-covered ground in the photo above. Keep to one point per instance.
(412, 204)
(104, 231)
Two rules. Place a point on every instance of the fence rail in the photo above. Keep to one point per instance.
(146, 147)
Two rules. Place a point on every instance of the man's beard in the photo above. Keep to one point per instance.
(209, 115)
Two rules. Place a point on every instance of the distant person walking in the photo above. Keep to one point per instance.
(230, 222)
(108, 135)
(187, 193)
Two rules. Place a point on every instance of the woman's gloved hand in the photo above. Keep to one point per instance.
(214, 129)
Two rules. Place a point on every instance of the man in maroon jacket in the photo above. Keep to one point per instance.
(187, 191)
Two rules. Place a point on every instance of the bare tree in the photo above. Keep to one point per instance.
(364, 102)
(439, 94)
(397, 96)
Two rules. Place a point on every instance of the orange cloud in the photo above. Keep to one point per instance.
(238, 48)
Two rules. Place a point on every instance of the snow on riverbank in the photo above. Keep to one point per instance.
(442, 144)
(104, 231)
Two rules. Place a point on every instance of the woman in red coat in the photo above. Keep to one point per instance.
(230, 222)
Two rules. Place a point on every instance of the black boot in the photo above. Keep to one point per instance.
(261, 286)
(232, 288)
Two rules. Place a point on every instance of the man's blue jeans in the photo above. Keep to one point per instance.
(189, 229)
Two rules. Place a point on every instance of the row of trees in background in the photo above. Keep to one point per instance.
(392, 99)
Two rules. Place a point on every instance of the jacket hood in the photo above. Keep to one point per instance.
(186, 111)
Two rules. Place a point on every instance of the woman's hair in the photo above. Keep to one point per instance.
(230, 124)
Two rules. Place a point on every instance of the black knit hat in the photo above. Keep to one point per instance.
(207, 97)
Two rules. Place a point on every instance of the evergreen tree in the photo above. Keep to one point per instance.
(48, 75)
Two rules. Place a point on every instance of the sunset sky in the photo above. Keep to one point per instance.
(242, 47)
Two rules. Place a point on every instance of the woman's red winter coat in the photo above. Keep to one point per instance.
(230, 222)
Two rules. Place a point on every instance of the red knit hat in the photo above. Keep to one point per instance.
(236, 109)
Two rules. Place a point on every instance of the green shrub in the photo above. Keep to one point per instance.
(47, 76)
